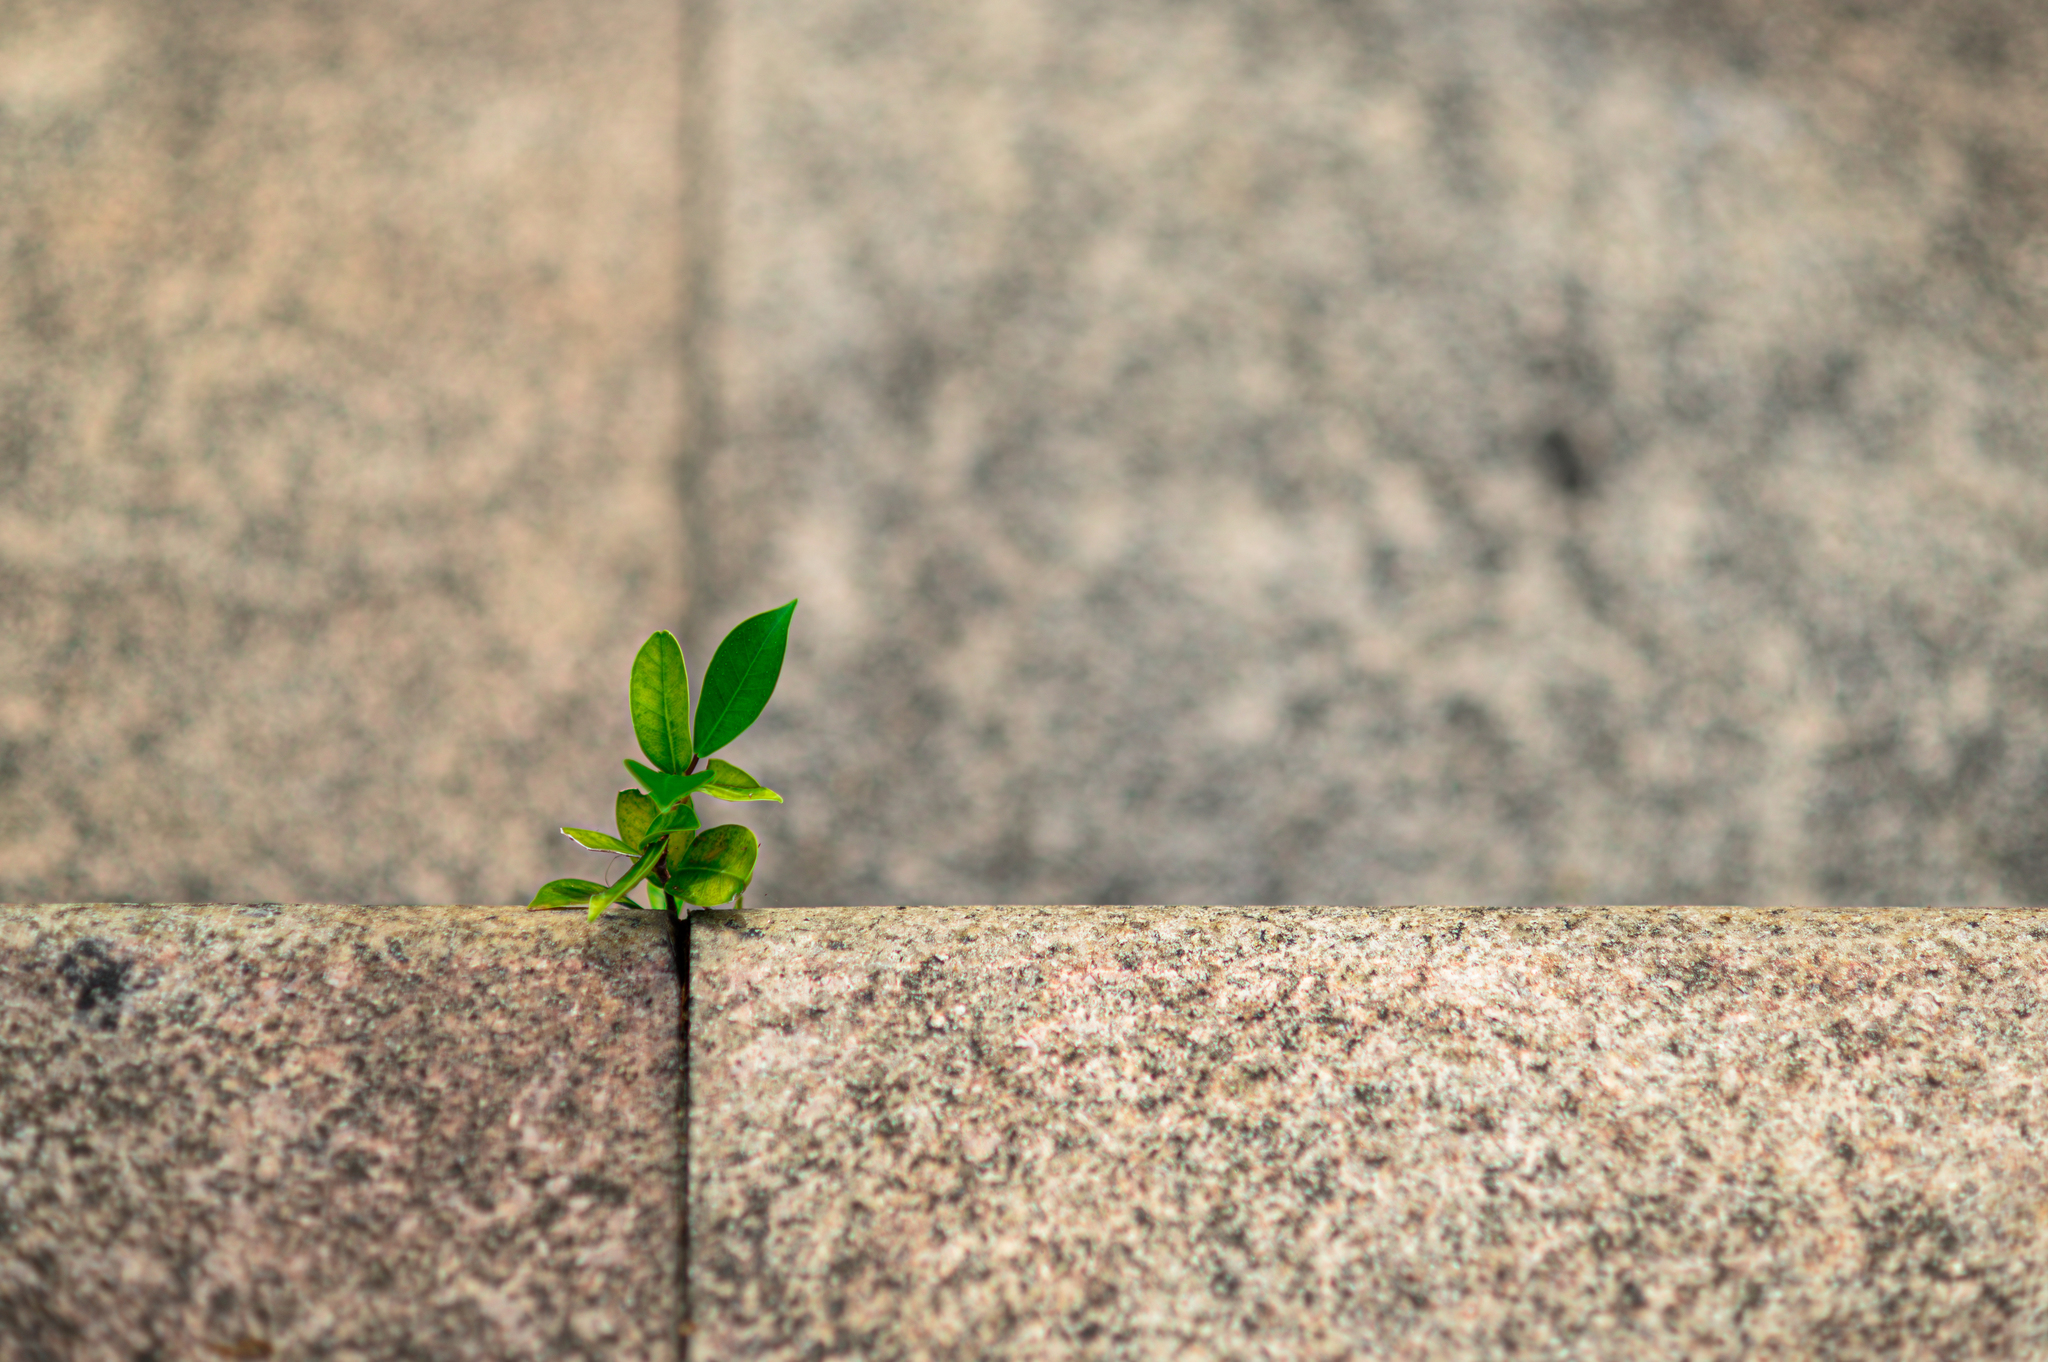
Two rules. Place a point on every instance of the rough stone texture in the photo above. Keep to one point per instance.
(1389, 450)
(1409, 1133)
(335, 1132)
(340, 393)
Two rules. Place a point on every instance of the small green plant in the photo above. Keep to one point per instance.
(657, 823)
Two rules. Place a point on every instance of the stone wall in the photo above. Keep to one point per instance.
(1387, 451)
(1374, 451)
(340, 392)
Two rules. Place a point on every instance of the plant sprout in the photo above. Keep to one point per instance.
(657, 823)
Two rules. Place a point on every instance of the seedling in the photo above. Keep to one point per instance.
(657, 823)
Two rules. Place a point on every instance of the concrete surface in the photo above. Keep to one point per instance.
(1412, 1133)
(1344, 450)
(1385, 451)
(335, 1132)
(341, 385)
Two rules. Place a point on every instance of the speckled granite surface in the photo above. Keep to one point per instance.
(1401, 1133)
(331, 1132)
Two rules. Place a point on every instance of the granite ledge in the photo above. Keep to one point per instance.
(1418, 1133)
(337, 1132)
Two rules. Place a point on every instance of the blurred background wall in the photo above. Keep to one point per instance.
(1310, 450)
(340, 398)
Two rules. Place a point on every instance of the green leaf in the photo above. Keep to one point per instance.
(741, 677)
(659, 694)
(729, 782)
(729, 849)
(715, 867)
(678, 845)
(705, 888)
(658, 897)
(607, 897)
(682, 817)
(565, 894)
(635, 813)
(667, 788)
(600, 841)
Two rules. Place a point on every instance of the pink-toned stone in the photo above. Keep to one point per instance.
(337, 1132)
(1405, 1133)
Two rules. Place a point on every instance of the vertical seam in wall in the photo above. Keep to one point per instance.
(703, 430)
(703, 186)
(679, 948)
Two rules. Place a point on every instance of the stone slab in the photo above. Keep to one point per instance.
(337, 1132)
(341, 389)
(1541, 450)
(1416, 1133)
